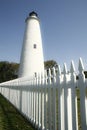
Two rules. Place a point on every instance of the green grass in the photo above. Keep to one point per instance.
(10, 118)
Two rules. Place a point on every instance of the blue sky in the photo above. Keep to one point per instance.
(63, 27)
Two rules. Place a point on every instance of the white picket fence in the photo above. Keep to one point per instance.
(52, 101)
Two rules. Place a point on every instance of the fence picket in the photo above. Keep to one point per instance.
(74, 97)
(49, 101)
(54, 100)
(81, 85)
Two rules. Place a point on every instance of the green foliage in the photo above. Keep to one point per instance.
(85, 72)
(50, 64)
(8, 71)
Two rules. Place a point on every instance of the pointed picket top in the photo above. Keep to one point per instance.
(45, 73)
(42, 78)
(72, 67)
(39, 78)
(42, 75)
(81, 66)
(49, 76)
(54, 71)
(45, 76)
(59, 70)
(65, 69)
(49, 72)
(54, 74)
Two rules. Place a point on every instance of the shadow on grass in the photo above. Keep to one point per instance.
(11, 119)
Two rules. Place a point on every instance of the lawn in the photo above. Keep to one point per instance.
(10, 118)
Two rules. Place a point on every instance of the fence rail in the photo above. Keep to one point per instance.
(54, 101)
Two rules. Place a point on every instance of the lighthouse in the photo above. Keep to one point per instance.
(32, 60)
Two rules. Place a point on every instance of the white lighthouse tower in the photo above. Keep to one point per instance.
(32, 61)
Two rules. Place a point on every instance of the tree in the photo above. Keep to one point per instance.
(50, 64)
(8, 71)
(85, 72)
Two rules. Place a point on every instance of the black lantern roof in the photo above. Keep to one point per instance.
(33, 13)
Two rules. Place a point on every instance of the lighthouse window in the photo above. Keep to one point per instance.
(35, 46)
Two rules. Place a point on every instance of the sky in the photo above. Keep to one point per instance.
(63, 27)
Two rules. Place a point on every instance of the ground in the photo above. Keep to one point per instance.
(11, 119)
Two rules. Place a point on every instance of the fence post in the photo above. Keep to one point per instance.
(65, 88)
(42, 101)
(45, 102)
(34, 87)
(74, 97)
(60, 98)
(31, 101)
(39, 100)
(49, 102)
(54, 100)
(81, 84)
